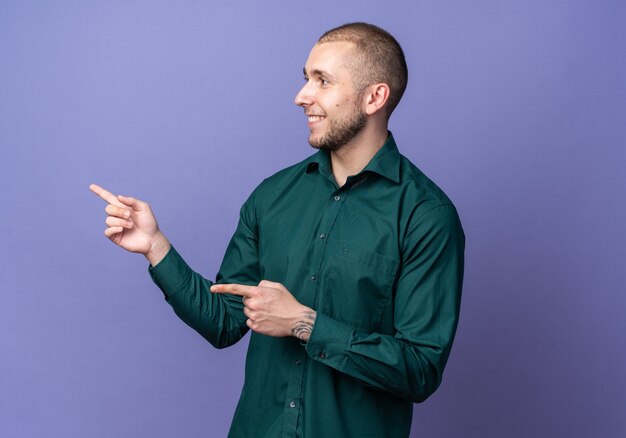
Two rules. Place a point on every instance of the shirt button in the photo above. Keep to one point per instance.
(298, 361)
(322, 236)
(337, 198)
(313, 277)
(292, 404)
(323, 355)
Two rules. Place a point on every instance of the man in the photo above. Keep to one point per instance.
(347, 267)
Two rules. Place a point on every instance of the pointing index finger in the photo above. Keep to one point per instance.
(106, 195)
(234, 289)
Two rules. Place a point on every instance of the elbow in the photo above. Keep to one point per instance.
(423, 388)
(424, 378)
(221, 339)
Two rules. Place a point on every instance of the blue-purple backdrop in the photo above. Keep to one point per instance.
(517, 109)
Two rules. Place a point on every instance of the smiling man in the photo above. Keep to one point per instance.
(346, 267)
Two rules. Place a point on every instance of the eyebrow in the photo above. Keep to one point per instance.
(318, 72)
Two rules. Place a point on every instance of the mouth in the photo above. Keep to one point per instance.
(314, 119)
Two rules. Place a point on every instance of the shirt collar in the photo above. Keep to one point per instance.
(386, 162)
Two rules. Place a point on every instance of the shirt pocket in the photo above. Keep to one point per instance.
(357, 286)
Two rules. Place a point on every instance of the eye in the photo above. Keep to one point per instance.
(324, 82)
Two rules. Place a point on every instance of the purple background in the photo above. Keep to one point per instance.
(516, 108)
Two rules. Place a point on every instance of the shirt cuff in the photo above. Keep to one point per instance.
(329, 341)
(171, 274)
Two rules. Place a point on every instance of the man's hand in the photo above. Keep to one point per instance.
(271, 309)
(132, 225)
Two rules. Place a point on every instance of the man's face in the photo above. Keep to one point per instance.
(329, 99)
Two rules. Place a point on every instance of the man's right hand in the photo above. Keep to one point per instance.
(132, 225)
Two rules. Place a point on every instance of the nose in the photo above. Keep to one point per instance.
(304, 97)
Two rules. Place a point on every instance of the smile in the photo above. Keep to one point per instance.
(313, 119)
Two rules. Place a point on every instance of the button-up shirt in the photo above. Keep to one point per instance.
(380, 259)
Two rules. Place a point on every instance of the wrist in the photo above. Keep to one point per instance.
(304, 324)
(159, 247)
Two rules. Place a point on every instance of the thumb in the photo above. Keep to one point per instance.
(131, 202)
(267, 283)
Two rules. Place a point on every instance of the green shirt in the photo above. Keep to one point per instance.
(380, 259)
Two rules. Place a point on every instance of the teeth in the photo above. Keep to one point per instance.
(315, 118)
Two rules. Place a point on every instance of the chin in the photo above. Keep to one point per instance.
(325, 146)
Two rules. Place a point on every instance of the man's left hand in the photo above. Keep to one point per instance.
(271, 309)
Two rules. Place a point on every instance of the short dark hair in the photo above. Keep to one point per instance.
(378, 58)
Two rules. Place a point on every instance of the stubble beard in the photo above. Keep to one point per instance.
(340, 132)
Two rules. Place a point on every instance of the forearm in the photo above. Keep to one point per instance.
(407, 368)
(219, 319)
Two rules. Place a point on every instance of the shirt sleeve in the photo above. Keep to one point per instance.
(426, 302)
(219, 318)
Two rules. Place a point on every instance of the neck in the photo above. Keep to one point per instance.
(352, 158)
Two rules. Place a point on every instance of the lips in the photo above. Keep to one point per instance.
(314, 118)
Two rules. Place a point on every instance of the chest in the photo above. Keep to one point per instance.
(337, 250)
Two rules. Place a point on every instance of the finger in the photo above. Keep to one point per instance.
(133, 203)
(235, 289)
(117, 222)
(105, 195)
(114, 210)
(112, 231)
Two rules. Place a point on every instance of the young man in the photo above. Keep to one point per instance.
(347, 267)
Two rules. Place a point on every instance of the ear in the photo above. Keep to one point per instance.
(375, 98)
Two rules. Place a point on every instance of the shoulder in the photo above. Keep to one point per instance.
(272, 186)
(426, 208)
(287, 174)
(419, 191)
